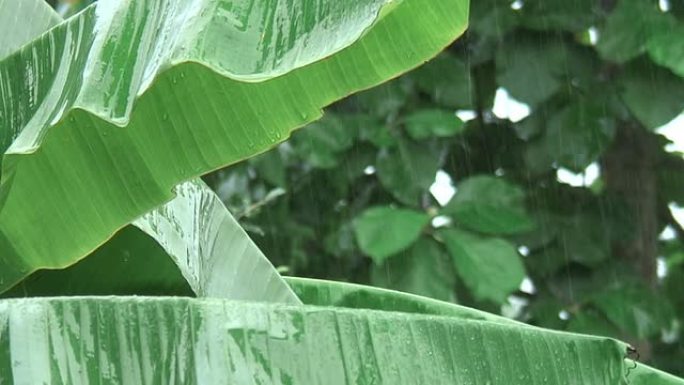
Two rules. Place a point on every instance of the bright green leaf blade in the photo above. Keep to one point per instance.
(489, 205)
(384, 231)
(342, 294)
(490, 267)
(645, 375)
(212, 341)
(427, 123)
(171, 54)
(424, 269)
(212, 251)
(22, 21)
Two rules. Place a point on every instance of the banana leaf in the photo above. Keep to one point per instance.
(134, 340)
(214, 254)
(110, 110)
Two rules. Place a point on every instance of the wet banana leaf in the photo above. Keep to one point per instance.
(133, 340)
(639, 374)
(340, 294)
(110, 110)
(195, 229)
(21, 22)
(213, 252)
(213, 256)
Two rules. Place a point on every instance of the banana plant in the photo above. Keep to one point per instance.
(106, 121)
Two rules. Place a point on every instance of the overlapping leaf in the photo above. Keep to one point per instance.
(196, 85)
(144, 340)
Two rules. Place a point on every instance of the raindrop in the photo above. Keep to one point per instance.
(182, 75)
(174, 80)
(165, 117)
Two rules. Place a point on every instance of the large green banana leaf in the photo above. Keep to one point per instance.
(110, 110)
(383, 337)
(134, 340)
(213, 252)
(213, 256)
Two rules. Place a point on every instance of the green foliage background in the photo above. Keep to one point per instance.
(347, 198)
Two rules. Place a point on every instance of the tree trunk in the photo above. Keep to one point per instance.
(629, 168)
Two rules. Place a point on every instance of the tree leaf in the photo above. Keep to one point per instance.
(428, 123)
(575, 16)
(664, 46)
(627, 30)
(408, 170)
(577, 135)
(532, 68)
(654, 95)
(219, 341)
(320, 142)
(489, 205)
(490, 267)
(635, 310)
(200, 103)
(423, 269)
(384, 231)
(447, 80)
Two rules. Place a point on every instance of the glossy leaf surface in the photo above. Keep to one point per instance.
(258, 78)
(144, 340)
(23, 21)
(213, 252)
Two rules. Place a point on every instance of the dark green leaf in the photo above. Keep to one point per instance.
(589, 321)
(447, 80)
(408, 170)
(665, 46)
(489, 205)
(490, 267)
(653, 94)
(635, 309)
(627, 30)
(271, 167)
(575, 15)
(427, 123)
(578, 134)
(532, 68)
(423, 269)
(321, 141)
(384, 231)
